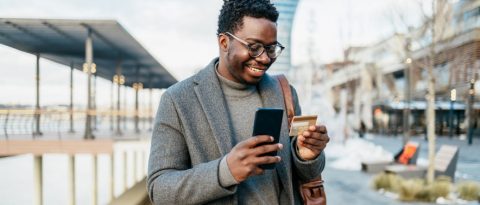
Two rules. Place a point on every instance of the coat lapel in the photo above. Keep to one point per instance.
(210, 95)
(271, 94)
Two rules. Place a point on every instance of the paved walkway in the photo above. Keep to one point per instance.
(468, 160)
(354, 187)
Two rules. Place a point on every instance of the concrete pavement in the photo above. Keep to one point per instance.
(354, 187)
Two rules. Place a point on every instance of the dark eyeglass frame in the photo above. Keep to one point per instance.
(263, 47)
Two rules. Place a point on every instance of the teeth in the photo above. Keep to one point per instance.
(255, 69)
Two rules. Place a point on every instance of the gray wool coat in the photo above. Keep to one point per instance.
(192, 133)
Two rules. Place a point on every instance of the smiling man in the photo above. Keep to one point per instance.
(202, 151)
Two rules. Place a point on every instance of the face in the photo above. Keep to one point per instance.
(235, 62)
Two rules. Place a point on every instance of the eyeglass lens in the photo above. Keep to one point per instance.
(257, 49)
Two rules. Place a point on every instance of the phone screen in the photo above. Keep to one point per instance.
(268, 121)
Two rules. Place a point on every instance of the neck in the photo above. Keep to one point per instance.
(223, 71)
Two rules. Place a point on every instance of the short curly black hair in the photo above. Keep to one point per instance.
(233, 11)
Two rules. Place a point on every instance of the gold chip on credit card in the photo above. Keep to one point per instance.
(301, 124)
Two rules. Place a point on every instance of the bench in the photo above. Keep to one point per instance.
(445, 164)
(407, 155)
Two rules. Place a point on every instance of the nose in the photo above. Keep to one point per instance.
(263, 58)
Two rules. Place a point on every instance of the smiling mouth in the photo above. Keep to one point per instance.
(257, 70)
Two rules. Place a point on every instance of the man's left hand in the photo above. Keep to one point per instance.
(312, 142)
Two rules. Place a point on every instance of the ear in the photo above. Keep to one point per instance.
(223, 42)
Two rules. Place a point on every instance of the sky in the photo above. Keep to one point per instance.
(180, 34)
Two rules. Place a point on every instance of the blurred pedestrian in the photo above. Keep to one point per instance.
(362, 130)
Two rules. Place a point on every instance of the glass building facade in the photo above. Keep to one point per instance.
(287, 9)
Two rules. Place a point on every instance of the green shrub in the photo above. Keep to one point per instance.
(411, 188)
(424, 195)
(418, 190)
(388, 182)
(444, 178)
(440, 188)
(468, 190)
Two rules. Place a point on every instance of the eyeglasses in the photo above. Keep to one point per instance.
(256, 49)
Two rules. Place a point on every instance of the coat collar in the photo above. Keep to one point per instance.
(213, 103)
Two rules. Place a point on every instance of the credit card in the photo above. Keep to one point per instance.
(301, 124)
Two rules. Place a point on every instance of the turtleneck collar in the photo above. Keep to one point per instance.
(234, 89)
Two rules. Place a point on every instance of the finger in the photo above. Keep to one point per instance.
(300, 139)
(259, 139)
(306, 133)
(315, 149)
(310, 133)
(317, 135)
(321, 129)
(318, 128)
(258, 171)
(263, 149)
(313, 141)
(322, 137)
(266, 160)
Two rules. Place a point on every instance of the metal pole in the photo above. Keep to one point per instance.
(95, 180)
(71, 179)
(37, 98)
(88, 63)
(125, 170)
(38, 179)
(406, 110)
(471, 116)
(136, 119)
(135, 167)
(125, 107)
(137, 88)
(450, 120)
(112, 176)
(111, 105)
(142, 164)
(71, 99)
(453, 97)
(150, 105)
(119, 74)
(94, 102)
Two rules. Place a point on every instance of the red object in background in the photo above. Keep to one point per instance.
(408, 152)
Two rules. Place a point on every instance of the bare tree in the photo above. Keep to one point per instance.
(436, 24)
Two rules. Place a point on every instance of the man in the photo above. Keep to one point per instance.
(202, 149)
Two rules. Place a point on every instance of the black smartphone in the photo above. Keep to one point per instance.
(268, 121)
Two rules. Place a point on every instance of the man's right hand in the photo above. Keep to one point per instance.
(246, 156)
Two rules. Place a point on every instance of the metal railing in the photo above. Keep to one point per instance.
(21, 123)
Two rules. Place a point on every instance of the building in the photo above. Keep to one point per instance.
(287, 9)
(384, 79)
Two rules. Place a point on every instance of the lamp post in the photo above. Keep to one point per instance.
(118, 79)
(137, 87)
(453, 98)
(406, 110)
(471, 93)
(89, 68)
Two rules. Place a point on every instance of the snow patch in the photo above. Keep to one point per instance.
(350, 155)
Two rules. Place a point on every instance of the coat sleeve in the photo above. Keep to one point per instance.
(171, 177)
(310, 169)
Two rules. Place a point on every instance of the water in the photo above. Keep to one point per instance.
(16, 178)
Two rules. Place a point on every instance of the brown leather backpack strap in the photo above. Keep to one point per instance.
(287, 97)
(312, 192)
